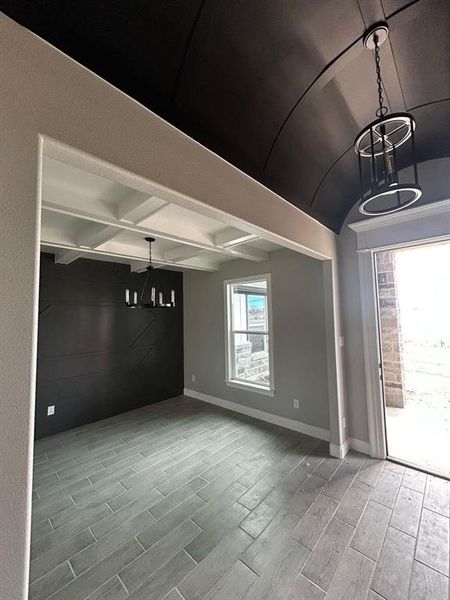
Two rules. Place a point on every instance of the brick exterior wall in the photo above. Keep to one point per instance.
(390, 330)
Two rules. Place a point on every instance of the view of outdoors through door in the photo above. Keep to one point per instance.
(414, 322)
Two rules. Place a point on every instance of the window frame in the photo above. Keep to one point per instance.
(229, 336)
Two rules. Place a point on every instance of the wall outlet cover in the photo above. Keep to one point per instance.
(193, 378)
(50, 410)
(296, 403)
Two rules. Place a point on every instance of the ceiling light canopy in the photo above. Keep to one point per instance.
(378, 147)
(149, 296)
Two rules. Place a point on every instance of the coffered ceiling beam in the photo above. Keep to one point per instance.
(248, 253)
(95, 235)
(233, 237)
(132, 210)
(136, 208)
(179, 253)
(65, 254)
(65, 257)
(238, 252)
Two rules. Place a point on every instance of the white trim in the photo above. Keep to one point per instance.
(437, 239)
(359, 446)
(339, 451)
(349, 444)
(250, 387)
(333, 329)
(427, 210)
(311, 430)
(268, 391)
(372, 357)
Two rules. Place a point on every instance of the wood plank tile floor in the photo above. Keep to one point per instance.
(182, 500)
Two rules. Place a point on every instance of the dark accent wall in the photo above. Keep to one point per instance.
(96, 357)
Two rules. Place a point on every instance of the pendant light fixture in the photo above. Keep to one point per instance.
(379, 147)
(149, 296)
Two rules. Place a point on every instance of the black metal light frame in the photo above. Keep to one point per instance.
(149, 296)
(377, 147)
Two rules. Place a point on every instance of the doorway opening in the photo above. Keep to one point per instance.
(413, 290)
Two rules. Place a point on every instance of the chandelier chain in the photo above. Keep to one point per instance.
(381, 110)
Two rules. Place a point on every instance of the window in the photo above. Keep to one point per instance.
(248, 333)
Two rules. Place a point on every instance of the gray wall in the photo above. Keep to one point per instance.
(300, 358)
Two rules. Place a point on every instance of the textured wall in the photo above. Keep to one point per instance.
(389, 315)
(96, 357)
(299, 336)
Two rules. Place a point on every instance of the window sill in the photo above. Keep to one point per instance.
(251, 387)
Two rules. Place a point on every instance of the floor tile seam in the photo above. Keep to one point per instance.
(398, 528)
(66, 539)
(189, 555)
(48, 472)
(181, 595)
(320, 537)
(227, 455)
(220, 510)
(78, 513)
(387, 528)
(50, 516)
(50, 571)
(385, 536)
(223, 458)
(333, 516)
(112, 551)
(180, 486)
(447, 577)
(436, 512)
(311, 581)
(242, 561)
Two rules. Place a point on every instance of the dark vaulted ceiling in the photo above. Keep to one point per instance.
(280, 88)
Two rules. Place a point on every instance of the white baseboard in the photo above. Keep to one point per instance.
(339, 451)
(359, 446)
(316, 432)
(349, 444)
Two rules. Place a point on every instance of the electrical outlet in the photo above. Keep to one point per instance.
(296, 403)
(50, 410)
(341, 341)
(344, 422)
(193, 378)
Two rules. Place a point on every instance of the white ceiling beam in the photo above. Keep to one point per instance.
(122, 225)
(136, 208)
(138, 266)
(238, 252)
(65, 254)
(131, 210)
(249, 253)
(179, 253)
(95, 235)
(233, 237)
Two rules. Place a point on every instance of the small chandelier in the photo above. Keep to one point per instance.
(377, 147)
(149, 297)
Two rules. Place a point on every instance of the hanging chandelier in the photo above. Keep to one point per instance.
(377, 147)
(149, 296)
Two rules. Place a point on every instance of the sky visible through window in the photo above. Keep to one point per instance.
(256, 302)
(423, 287)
